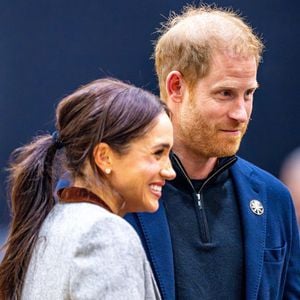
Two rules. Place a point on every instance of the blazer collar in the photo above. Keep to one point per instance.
(159, 248)
(250, 188)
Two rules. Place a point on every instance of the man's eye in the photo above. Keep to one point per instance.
(250, 92)
(225, 93)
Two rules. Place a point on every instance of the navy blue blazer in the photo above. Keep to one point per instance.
(271, 240)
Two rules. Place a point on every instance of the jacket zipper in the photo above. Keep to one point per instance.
(197, 196)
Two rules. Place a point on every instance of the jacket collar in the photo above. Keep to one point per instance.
(249, 188)
(159, 249)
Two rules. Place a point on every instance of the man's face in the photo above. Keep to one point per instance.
(213, 117)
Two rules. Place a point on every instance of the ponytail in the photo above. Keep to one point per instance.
(30, 191)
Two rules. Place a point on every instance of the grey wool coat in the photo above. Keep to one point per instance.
(86, 252)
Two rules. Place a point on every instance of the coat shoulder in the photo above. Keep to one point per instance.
(251, 170)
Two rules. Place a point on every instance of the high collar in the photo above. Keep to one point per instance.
(183, 181)
(75, 194)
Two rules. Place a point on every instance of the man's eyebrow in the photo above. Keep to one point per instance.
(228, 87)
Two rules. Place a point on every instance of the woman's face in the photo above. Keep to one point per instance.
(139, 175)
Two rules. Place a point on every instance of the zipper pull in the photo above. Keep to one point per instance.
(198, 199)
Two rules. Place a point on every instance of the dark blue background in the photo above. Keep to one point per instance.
(48, 48)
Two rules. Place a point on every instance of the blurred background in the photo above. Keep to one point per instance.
(50, 47)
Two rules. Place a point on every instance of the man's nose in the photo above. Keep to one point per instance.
(240, 111)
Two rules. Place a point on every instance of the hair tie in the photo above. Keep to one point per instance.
(57, 141)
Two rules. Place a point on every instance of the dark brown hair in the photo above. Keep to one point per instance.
(105, 110)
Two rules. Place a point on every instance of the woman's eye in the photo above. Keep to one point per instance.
(159, 153)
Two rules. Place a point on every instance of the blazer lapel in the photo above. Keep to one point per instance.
(158, 242)
(254, 225)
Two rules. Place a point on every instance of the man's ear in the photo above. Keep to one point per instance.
(103, 157)
(175, 86)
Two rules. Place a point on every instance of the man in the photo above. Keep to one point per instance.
(225, 229)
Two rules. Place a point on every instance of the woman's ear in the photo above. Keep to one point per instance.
(103, 157)
(175, 86)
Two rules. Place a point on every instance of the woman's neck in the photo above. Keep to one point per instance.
(111, 198)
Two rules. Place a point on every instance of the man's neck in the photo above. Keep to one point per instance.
(196, 166)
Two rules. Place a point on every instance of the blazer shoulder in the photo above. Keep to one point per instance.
(253, 171)
(77, 223)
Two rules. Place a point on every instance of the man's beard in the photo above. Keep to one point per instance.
(209, 141)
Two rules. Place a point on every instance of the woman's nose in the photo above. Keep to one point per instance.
(168, 172)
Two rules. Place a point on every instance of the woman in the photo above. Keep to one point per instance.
(115, 139)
